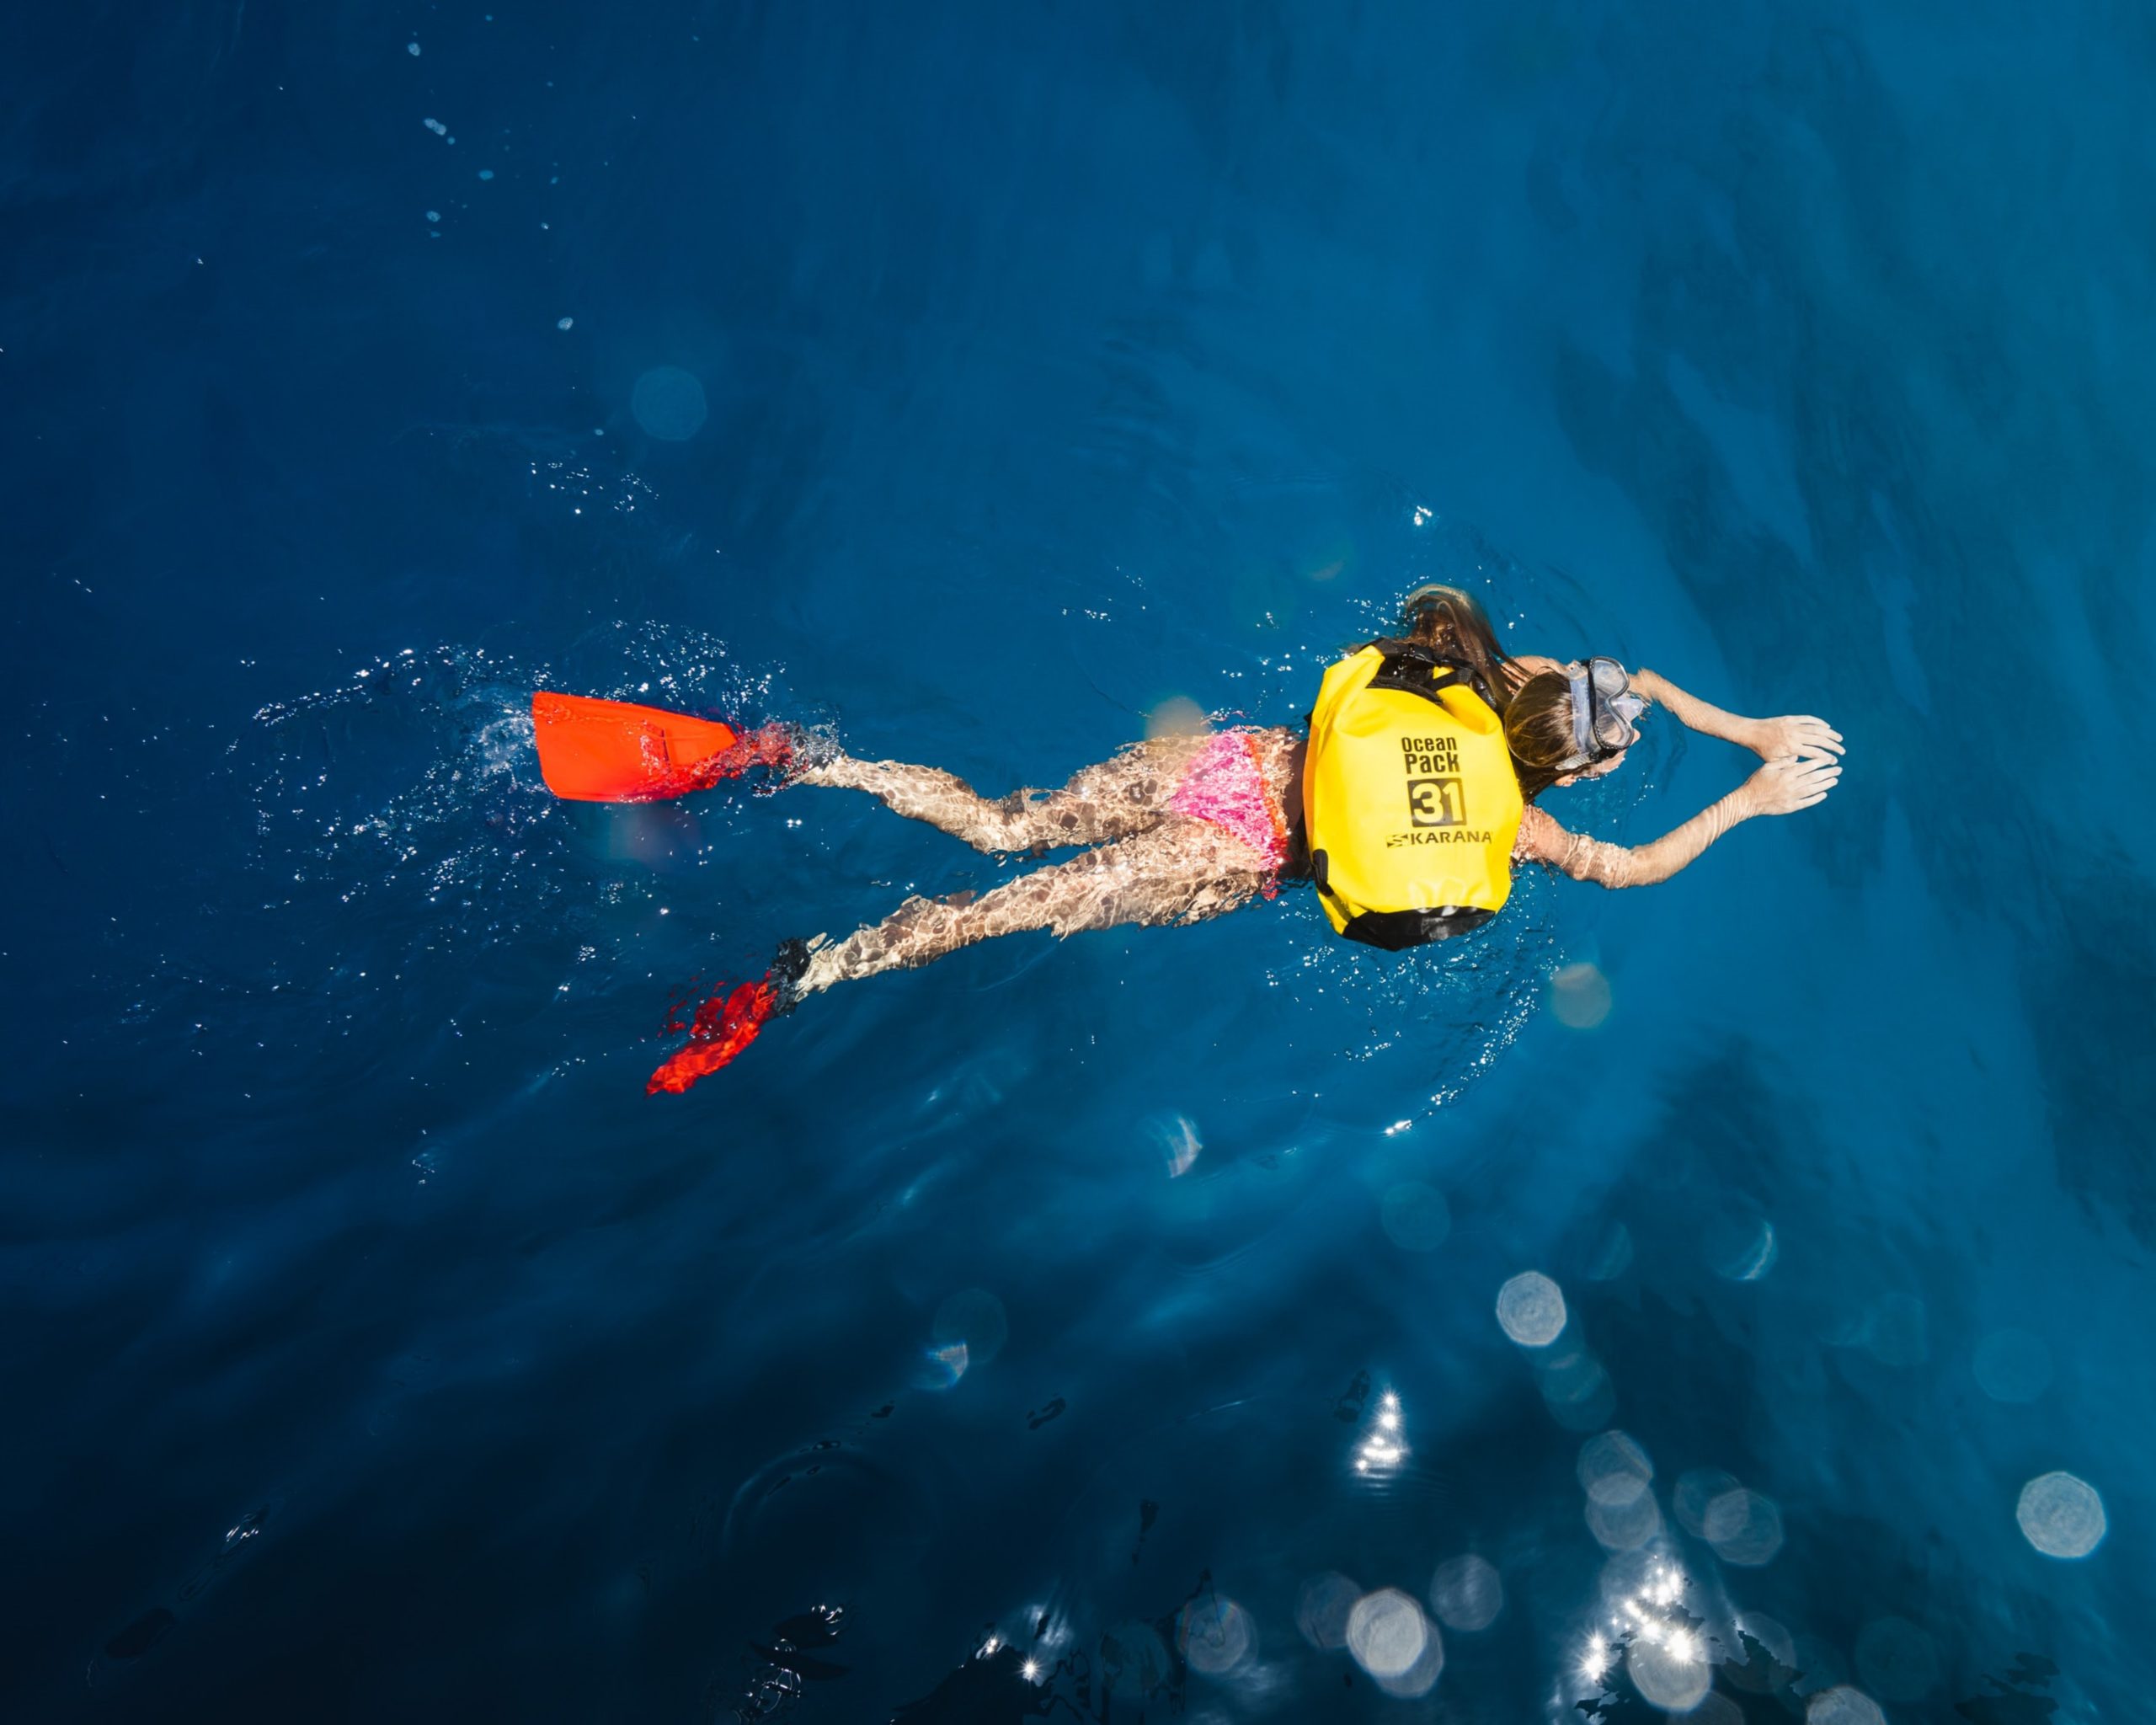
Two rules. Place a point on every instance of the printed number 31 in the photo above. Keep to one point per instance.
(1434, 802)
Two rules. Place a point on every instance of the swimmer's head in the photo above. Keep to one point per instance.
(1569, 725)
(1451, 620)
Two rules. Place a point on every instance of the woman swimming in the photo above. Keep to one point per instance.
(1178, 829)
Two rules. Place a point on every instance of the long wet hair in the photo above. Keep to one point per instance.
(1451, 621)
(1537, 710)
(1538, 731)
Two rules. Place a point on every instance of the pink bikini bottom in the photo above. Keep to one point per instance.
(1225, 785)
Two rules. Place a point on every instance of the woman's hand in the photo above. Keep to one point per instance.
(1790, 783)
(1801, 735)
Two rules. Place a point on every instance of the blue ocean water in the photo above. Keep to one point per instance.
(976, 379)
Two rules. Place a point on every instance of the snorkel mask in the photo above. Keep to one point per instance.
(1605, 713)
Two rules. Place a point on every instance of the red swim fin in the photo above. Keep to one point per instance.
(728, 1022)
(724, 1025)
(614, 752)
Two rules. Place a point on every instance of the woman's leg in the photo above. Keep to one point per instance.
(1115, 799)
(1179, 871)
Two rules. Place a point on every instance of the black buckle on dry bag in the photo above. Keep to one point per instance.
(1415, 669)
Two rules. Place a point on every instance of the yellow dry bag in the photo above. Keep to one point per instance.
(1409, 798)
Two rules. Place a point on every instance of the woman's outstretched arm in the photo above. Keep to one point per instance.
(1798, 734)
(1781, 787)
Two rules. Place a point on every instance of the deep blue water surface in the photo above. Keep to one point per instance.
(976, 379)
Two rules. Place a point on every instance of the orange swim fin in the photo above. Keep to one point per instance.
(616, 751)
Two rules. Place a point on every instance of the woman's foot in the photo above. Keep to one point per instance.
(771, 747)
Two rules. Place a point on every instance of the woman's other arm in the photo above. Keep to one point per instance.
(1781, 787)
(1800, 735)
